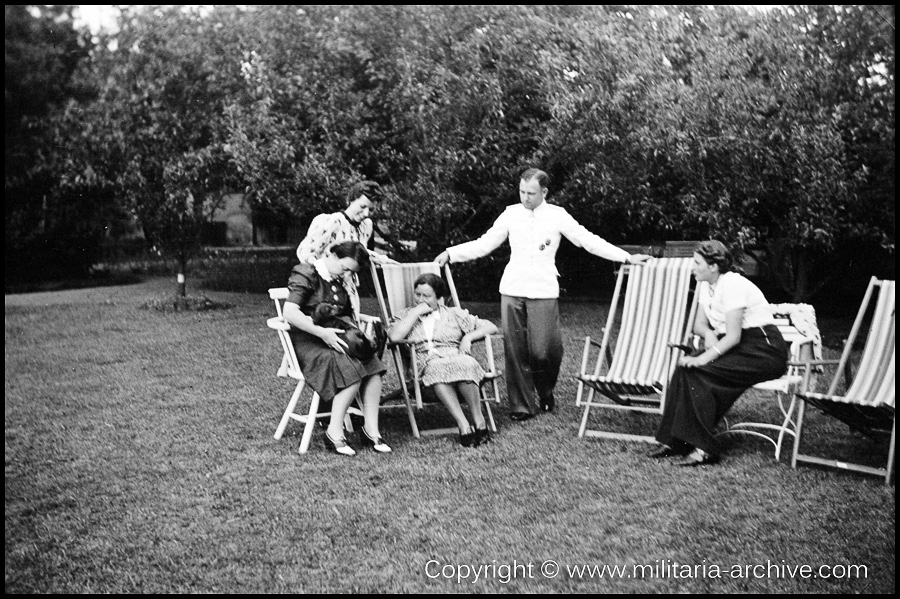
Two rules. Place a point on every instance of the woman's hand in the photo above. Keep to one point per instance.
(693, 361)
(381, 258)
(331, 339)
(465, 345)
(422, 309)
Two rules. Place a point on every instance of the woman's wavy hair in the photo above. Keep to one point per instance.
(370, 189)
(715, 252)
(352, 249)
(433, 281)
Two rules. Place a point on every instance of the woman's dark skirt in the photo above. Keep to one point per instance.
(328, 371)
(698, 398)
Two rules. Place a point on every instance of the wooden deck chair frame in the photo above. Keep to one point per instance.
(801, 351)
(389, 296)
(290, 367)
(658, 309)
(867, 398)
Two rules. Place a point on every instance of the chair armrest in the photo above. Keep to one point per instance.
(594, 343)
(278, 323)
(368, 318)
(488, 338)
(681, 347)
(807, 368)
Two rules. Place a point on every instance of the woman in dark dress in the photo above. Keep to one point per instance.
(321, 351)
(742, 347)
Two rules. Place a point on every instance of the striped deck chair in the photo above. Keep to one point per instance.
(656, 315)
(865, 401)
(394, 287)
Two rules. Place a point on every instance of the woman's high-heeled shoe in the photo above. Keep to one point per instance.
(467, 439)
(340, 446)
(482, 436)
(377, 443)
(669, 452)
(698, 457)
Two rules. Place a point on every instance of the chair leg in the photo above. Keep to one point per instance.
(889, 474)
(289, 412)
(398, 363)
(801, 410)
(310, 424)
(486, 402)
(584, 420)
(785, 425)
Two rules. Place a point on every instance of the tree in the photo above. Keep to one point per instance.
(158, 124)
(50, 232)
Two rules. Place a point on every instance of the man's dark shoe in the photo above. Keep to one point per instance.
(521, 416)
(548, 404)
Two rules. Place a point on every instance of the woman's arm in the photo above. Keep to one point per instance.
(718, 347)
(400, 329)
(485, 328)
(703, 329)
(297, 318)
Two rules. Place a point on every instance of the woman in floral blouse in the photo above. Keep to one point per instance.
(353, 224)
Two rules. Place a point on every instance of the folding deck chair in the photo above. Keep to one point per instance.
(291, 368)
(866, 399)
(394, 288)
(656, 315)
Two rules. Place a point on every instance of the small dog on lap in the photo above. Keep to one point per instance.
(358, 345)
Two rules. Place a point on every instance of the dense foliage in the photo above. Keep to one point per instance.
(774, 131)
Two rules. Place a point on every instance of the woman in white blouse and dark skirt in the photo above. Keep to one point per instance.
(742, 347)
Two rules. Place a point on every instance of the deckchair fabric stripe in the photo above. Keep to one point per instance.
(398, 283)
(654, 312)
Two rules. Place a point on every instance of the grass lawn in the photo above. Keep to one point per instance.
(139, 458)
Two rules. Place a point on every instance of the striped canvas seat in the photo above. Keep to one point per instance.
(632, 372)
(865, 400)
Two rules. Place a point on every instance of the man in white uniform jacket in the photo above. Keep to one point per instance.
(529, 288)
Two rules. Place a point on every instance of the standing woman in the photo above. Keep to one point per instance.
(353, 224)
(742, 347)
(320, 351)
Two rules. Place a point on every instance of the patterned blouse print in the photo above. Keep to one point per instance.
(328, 229)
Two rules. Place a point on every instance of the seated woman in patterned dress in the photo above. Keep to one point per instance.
(443, 339)
(320, 350)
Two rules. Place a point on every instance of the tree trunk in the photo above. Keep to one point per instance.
(182, 269)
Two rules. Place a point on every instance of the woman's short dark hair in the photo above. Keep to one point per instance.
(433, 281)
(370, 189)
(715, 252)
(535, 173)
(352, 249)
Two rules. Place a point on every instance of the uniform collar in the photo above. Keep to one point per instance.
(540, 209)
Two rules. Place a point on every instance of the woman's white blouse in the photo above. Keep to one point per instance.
(734, 292)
